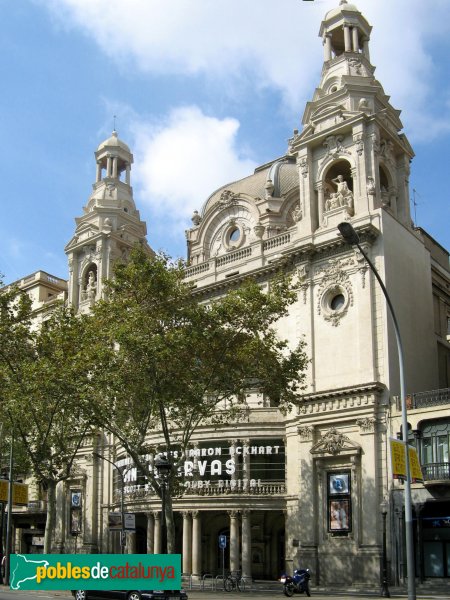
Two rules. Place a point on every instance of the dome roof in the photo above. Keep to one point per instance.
(115, 142)
(283, 173)
(343, 6)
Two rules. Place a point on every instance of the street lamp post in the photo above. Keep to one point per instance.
(384, 576)
(8, 545)
(352, 238)
(163, 467)
(122, 511)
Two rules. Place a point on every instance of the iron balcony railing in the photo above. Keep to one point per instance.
(426, 399)
(436, 471)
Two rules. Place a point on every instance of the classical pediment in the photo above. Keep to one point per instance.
(335, 442)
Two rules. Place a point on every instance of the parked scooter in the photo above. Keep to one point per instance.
(297, 584)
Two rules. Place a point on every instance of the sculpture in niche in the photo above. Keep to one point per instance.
(297, 213)
(342, 197)
(370, 186)
(363, 105)
(385, 200)
(91, 288)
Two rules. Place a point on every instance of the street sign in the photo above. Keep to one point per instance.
(222, 541)
(20, 493)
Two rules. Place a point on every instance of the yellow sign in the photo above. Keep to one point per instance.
(414, 465)
(3, 490)
(20, 493)
(399, 463)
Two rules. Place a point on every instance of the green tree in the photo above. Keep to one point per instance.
(168, 362)
(44, 394)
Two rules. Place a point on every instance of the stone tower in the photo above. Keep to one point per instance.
(109, 227)
(351, 155)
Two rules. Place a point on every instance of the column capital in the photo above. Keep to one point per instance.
(233, 514)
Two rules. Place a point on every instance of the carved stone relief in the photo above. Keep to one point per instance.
(304, 167)
(335, 283)
(333, 144)
(334, 442)
(305, 432)
(227, 198)
(367, 425)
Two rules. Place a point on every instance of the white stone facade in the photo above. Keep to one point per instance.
(316, 500)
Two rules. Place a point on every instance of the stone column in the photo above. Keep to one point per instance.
(366, 49)
(127, 174)
(347, 39)
(246, 544)
(187, 542)
(157, 530)
(320, 199)
(355, 39)
(150, 533)
(114, 167)
(327, 47)
(245, 465)
(234, 540)
(196, 545)
(108, 165)
(131, 542)
(99, 171)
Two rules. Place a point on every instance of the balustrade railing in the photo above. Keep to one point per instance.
(426, 399)
(436, 471)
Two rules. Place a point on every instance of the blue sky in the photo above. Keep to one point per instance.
(203, 90)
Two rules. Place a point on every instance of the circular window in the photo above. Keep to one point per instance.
(337, 302)
(234, 235)
(334, 302)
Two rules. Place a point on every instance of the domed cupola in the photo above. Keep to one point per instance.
(345, 30)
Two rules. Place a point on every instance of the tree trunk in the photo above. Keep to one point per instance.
(170, 522)
(51, 516)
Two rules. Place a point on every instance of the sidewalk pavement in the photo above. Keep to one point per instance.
(258, 593)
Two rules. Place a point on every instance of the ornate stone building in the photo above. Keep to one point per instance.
(306, 488)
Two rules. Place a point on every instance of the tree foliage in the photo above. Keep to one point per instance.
(167, 362)
(45, 389)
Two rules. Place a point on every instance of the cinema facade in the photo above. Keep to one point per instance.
(303, 488)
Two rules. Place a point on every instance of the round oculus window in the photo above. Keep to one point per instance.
(234, 235)
(337, 302)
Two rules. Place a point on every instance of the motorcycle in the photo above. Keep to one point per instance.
(297, 584)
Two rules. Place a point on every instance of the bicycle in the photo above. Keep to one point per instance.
(234, 580)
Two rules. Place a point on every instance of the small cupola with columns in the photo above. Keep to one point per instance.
(345, 30)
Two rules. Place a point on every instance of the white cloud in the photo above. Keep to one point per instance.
(181, 160)
(274, 40)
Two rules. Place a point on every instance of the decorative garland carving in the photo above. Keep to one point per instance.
(367, 424)
(305, 432)
(335, 281)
